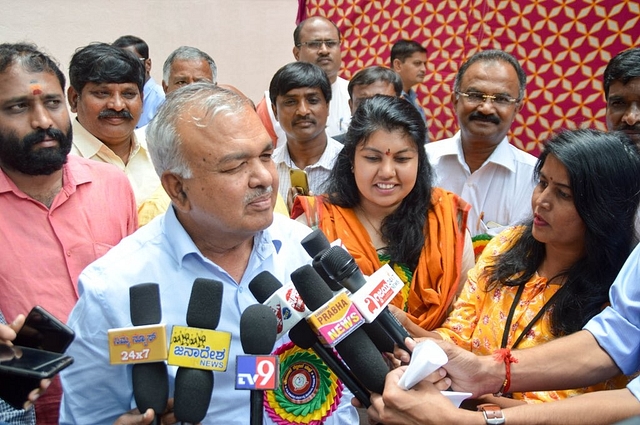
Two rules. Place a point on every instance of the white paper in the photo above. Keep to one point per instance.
(426, 358)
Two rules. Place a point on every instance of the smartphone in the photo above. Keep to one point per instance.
(31, 362)
(299, 181)
(44, 331)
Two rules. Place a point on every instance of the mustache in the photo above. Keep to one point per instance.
(38, 136)
(258, 194)
(475, 115)
(110, 113)
(305, 119)
(627, 127)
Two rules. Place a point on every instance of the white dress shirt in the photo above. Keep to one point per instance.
(499, 191)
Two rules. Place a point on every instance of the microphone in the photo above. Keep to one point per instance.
(193, 387)
(258, 336)
(303, 336)
(283, 300)
(316, 244)
(341, 266)
(356, 349)
(150, 380)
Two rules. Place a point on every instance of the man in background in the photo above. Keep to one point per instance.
(409, 60)
(316, 40)
(187, 65)
(152, 93)
(622, 93)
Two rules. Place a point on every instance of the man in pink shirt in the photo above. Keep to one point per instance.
(59, 212)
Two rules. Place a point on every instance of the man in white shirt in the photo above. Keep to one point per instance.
(478, 163)
(316, 40)
(300, 94)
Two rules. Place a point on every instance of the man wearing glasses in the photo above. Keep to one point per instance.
(316, 40)
(478, 163)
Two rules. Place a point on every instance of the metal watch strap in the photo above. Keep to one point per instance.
(492, 413)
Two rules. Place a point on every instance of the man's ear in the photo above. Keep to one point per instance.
(72, 98)
(351, 106)
(296, 52)
(274, 108)
(147, 65)
(396, 65)
(164, 86)
(174, 186)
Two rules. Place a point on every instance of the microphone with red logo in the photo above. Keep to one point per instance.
(193, 387)
(258, 336)
(150, 380)
(341, 266)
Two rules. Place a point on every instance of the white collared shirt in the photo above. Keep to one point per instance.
(317, 174)
(499, 192)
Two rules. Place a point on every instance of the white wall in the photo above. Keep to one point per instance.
(248, 39)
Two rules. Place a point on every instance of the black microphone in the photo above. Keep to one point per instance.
(258, 335)
(316, 244)
(262, 287)
(150, 380)
(193, 387)
(356, 349)
(341, 266)
(304, 337)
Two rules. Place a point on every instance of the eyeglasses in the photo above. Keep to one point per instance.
(477, 98)
(317, 44)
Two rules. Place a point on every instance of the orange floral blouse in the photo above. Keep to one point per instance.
(478, 317)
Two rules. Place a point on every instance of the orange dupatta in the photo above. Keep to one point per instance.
(435, 280)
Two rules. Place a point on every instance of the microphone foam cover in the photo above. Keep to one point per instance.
(313, 290)
(302, 335)
(315, 242)
(319, 268)
(258, 329)
(338, 263)
(379, 337)
(150, 386)
(263, 286)
(193, 388)
(364, 360)
(205, 304)
(144, 304)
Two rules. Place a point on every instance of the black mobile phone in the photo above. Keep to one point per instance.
(31, 362)
(22, 369)
(44, 331)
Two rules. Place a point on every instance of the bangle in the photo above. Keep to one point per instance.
(504, 355)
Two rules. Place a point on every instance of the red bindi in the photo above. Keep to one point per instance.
(36, 89)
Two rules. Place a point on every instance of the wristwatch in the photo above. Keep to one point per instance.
(492, 413)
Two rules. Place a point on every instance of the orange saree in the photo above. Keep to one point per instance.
(435, 280)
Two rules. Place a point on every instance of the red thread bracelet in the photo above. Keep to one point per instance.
(504, 355)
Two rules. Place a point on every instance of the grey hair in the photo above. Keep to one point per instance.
(188, 53)
(163, 139)
(493, 56)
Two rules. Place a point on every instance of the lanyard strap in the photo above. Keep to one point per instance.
(516, 300)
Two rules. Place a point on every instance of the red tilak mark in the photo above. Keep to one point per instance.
(388, 152)
(36, 89)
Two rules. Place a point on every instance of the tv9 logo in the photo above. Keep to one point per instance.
(257, 372)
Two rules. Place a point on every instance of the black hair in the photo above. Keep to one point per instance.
(372, 74)
(603, 170)
(138, 44)
(493, 56)
(299, 74)
(403, 49)
(403, 230)
(32, 59)
(624, 67)
(296, 32)
(104, 63)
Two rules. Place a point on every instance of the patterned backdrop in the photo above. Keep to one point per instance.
(563, 46)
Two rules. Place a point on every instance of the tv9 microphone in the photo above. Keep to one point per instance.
(356, 349)
(150, 380)
(316, 244)
(193, 387)
(341, 266)
(258, 336)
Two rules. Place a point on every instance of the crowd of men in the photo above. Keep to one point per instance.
(142, 188)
